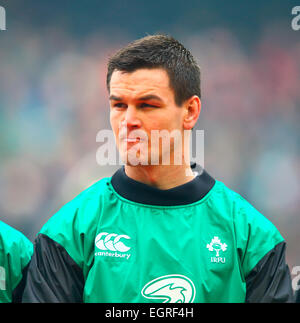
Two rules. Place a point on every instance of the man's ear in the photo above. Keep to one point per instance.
(192, 108)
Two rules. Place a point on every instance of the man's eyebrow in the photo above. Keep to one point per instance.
(115, 98)
(150, 97)
(143, 98)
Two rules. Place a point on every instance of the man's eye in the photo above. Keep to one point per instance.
(119, 105)
(147, 105)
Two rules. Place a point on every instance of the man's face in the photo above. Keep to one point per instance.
(141, 102)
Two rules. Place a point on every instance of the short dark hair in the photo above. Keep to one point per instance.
(160, 51)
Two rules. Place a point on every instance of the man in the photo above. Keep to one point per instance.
(155, 231)
(15, 253)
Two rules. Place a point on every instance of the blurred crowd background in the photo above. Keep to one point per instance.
(53, 99)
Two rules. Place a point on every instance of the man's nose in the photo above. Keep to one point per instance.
(132, 119)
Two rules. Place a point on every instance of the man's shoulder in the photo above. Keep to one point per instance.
(229, 201)
(91, 193)
(233, 200)
(255, 234)
(94, 191)
(243, 213)
(74, 213)
(73, 225)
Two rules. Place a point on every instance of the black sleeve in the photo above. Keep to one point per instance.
(17, 293)
(270, 280)
(297, 294)
(53, 276)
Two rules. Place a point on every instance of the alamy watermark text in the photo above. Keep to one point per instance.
(296, 20)
(2, 18)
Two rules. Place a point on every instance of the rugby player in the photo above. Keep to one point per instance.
(158, 230)
(15, 253)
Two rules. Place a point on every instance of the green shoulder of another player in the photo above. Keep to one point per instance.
(15, 254)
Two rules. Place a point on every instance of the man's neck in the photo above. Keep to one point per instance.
(163, 177)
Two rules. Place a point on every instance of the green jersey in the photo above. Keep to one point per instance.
(15, 253)
(123, 241)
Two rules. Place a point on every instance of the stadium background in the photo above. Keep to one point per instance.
(53, 99)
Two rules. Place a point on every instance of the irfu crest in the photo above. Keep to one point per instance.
(216, 245)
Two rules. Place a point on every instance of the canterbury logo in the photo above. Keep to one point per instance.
(111, 241)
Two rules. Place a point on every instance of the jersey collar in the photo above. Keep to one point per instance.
(188, 193)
